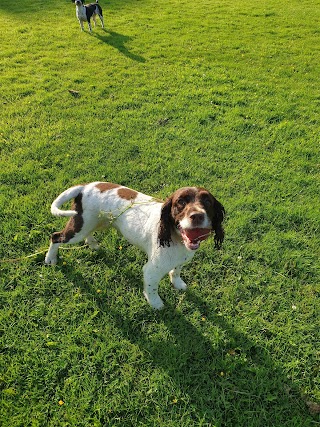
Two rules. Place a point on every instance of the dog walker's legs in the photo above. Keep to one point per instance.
(151, 282)
(176, 280)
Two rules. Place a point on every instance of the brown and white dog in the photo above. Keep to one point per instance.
(169, 233)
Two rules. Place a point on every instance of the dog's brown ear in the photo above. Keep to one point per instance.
(218, 216)
(166, 224)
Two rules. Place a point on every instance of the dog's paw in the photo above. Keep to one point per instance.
(92, 243)
(179, 284)
(155, 301)
(95, 246)
(50, 260)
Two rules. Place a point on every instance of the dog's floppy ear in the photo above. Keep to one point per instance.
(218, 216)
(166, 224)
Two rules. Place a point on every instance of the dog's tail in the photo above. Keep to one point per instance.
(69, 194)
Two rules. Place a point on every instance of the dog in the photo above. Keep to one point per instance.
(168, 232)
(84, 13)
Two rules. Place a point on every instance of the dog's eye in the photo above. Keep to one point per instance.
(181, 202)
(207, 202)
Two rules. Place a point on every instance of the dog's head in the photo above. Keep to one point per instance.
(77, 2)
(192, 213)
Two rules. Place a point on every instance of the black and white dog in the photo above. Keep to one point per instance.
(84, 13)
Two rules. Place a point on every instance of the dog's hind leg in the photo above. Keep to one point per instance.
(52, 254)
(74, 232)
(63, 237)
(101, 19)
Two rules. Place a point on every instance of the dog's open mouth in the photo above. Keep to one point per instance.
(193, 236)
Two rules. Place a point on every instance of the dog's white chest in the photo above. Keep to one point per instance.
(81, 13)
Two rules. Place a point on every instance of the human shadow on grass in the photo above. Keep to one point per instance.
(118, 41)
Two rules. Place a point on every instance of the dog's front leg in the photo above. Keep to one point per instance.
(89, 25)
(176, 280)
(151, 279)
(92, 242)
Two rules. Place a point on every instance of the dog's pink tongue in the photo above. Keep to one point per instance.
(197, 233)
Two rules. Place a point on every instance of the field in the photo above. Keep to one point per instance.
(223, 94)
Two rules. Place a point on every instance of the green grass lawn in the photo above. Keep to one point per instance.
(223, 94)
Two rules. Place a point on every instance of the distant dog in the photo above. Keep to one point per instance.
(84, 13)
(168, 232)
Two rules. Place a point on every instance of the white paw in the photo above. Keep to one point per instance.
(179, 284)
(50, 260)
(92, 243)
(155, 301)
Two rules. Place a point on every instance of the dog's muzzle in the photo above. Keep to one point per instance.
(192, 237)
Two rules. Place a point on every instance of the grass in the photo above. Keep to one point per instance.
(222, 94)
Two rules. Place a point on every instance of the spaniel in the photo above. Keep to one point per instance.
(169, 233)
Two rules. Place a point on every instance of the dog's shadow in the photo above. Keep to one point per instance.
(219, 379)
(118, 41)
(218, 372)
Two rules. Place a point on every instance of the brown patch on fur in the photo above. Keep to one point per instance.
(106, 186)
(127, 193)
(73, 226)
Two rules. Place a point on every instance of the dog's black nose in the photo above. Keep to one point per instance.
(197, 218)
